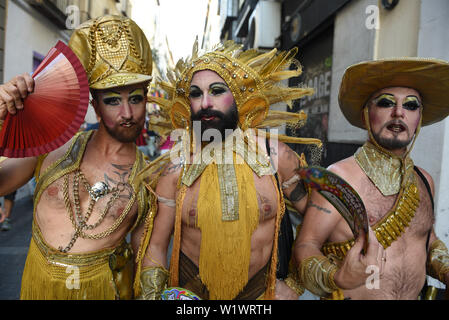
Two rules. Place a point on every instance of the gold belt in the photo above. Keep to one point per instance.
(113, 256)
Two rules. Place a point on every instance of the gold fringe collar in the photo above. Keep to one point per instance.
(244, 146)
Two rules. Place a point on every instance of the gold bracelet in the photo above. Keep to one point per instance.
(316, 274)
(438, 260)
(153, 280)
(292, 282)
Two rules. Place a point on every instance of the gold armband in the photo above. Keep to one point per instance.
(1, 124)
(438, 260)
(317, 275)
(153, 281)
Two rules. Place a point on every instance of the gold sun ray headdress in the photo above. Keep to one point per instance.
(255, 79)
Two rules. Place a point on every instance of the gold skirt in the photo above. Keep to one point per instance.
(51, 275)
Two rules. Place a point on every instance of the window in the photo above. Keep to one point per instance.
(37, 59)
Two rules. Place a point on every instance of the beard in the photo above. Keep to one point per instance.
(222, 122)
(123, 134)
(391, 143)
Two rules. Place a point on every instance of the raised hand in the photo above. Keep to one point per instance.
(13, 92)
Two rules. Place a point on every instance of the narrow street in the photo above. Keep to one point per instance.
(14, 247)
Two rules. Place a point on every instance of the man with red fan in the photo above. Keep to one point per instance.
(86, 200)
(391, 99)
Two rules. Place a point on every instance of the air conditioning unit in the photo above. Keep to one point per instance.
(264, 25)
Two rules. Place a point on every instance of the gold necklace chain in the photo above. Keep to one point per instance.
(82, 221)
(115, 193)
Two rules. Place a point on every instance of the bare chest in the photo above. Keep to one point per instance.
(267, 201)
(379, 206)
(69, 196)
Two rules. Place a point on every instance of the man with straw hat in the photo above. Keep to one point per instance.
(86, 199)
(391, 99)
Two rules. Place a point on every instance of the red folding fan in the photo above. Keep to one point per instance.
(55, 110)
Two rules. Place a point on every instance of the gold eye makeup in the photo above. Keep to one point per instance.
(385, 101)
(215, 89)
(136, 96)
(388, 100)
(218, 88)
(195, 92)
(112, 98)
(411, 103)
(115, 99)
(138, 91)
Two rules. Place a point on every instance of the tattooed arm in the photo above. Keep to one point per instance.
(323, 223)
(311, 204)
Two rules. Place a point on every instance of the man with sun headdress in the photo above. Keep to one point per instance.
(86, 199)
(221, 189)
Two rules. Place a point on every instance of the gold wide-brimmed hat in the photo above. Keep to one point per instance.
(430, 77)
(114, 52)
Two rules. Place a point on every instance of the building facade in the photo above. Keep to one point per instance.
(32, 27)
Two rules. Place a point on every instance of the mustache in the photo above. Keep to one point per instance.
(128, 122)
(395, 122)
(208, 113)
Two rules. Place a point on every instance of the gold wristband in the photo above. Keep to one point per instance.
(316, 274)
(292, 282)
(438, 260)
(153, 281)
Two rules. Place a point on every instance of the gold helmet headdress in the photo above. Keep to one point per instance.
(114, 52)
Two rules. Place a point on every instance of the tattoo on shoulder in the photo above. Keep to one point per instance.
(314, 205)
(298, 192)
(171, 168)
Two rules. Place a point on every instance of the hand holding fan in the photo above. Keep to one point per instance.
(53, 112)
(341, 195)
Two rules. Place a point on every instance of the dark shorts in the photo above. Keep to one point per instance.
(11, 196)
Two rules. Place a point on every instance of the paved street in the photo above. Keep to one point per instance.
(14, 247)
